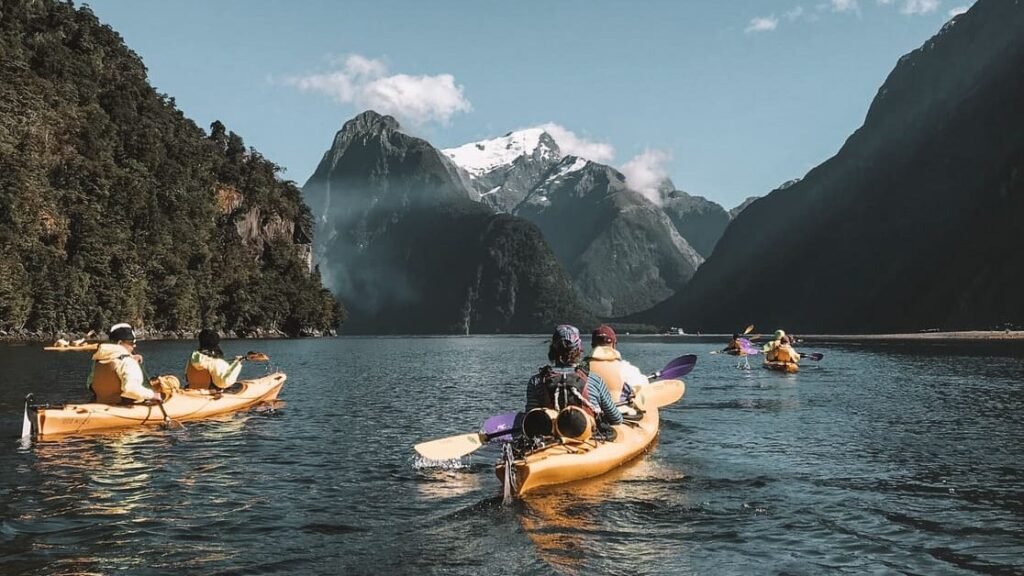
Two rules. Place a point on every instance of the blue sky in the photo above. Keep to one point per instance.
(729, 98)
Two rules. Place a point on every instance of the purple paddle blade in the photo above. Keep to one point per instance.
(499, 423)
(746, 348)
(677, 368)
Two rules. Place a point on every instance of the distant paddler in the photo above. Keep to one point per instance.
(780, 349)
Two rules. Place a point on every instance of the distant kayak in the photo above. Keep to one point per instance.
(80, 348)
(788, 367)
(50, 421)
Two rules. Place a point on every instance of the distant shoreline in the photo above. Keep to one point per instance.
(967, 335)
(952, 336)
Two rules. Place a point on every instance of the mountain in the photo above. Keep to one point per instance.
(406, 243)
(697, 219)
(373, 170)
(622, 252)
(620, 249)
(504, 170)
(733, 213)
(912, 224)
(115, 207)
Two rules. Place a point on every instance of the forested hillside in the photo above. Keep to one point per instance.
(116, 207)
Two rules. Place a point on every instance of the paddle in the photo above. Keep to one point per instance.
(816, 356)
(656, 395)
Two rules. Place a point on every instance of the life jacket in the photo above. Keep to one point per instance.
(782, 353)
(606, 364)
(565, 389)
(106, 384)
(197, 377)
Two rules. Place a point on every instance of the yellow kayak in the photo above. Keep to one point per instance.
(570, 460)
(788, 367)
(54, 421)
(81, 348)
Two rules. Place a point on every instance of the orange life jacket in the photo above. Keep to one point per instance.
(782, 353)
(106, 384)
(197, 377)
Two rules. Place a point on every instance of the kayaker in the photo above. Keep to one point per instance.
(775, 341)
(563, 382)
(207, 368)
(619, 376)
(116, 376)
(780, 349)
(734, 346)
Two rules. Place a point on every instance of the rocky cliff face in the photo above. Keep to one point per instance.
(410, 249)
(912, 224)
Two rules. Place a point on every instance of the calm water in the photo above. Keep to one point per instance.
(883, 459)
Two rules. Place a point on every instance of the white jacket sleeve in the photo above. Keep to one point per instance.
(224, 374)
(130, 373)
(632, 375)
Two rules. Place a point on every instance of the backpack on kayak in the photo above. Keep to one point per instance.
(565, 389)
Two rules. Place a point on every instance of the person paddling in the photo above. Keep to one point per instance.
(563, 384)
(207, 368)
(116, 376)
(734, 347)
(780, 349)
(606, 361)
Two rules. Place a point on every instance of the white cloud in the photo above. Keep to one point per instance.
(646, 171)
(762, 24)
(885, 1)
(844, 5)
(365, 83)
(920, 6)
(795, 13)
(572, 144)
(958, 10)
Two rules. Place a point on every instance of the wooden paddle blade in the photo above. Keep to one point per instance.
(749, 329)
(451, 447)
(661, 393)
(257, 357)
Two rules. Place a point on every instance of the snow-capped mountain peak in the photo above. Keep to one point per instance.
(478, 158)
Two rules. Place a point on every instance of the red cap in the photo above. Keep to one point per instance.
(603, 336)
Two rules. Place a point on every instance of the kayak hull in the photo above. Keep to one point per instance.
(787, 367)
(52, 422)
(572, 461)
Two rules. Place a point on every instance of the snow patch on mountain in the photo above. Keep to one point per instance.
(481, 157)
